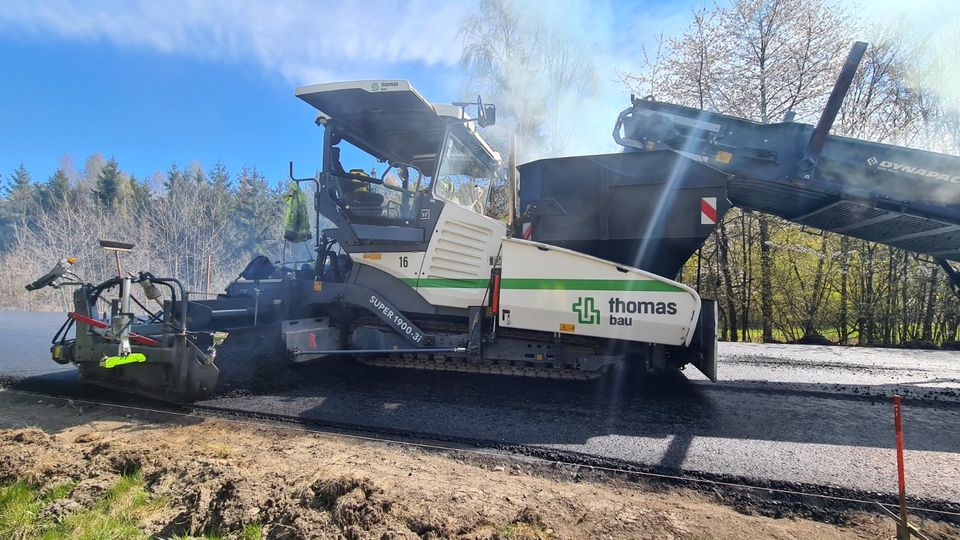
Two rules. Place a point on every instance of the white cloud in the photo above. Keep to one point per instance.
(312, 41)
(303, 41)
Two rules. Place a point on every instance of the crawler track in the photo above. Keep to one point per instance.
(460, 364)
(512, 369)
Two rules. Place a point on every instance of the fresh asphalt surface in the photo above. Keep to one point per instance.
(781, 413)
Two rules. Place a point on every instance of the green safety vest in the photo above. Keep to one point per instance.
(296, 220)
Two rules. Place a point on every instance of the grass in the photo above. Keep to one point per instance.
(19, 507)
(217, 450)
(516, 531)
(252, 531)
(754, 335)
(116, 515)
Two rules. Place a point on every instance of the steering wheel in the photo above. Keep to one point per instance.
(399, 166)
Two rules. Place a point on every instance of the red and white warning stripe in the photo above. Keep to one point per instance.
(708, 211)
(527, 230)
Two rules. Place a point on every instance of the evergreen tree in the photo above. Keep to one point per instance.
(19, 196)
(245, 210)
(8, 223)
(218, 194)
(20, 183)
(257, 213)
(20, 193)
(174, 178)
(220, 177)
(109, 192)
(197, 174)
(140, 193)
(56, 193)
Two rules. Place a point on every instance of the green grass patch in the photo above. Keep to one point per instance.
(60, 492)
(20, 506)
(755, 335)
(19, 509)
(253, 531)
(117, 515)
(521, 530)
(210, 536)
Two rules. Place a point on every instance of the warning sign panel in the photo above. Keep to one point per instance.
(708, 211)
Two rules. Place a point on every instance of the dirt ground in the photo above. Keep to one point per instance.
(218, 476)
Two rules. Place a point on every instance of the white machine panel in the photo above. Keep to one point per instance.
(556, 290)
(456, 268)
(402, 264)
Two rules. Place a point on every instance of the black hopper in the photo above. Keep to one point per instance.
(650, 210)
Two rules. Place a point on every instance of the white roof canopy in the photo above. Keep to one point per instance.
(387, 118)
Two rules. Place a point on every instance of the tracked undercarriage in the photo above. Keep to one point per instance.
(489, 367)
(539, 360)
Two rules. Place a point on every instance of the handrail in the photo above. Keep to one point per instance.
(372, 180)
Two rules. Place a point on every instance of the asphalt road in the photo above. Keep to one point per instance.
(781, 413)
(25, 344)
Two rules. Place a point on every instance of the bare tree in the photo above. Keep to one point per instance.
(881, 105)
(536, 74)
(755, 59)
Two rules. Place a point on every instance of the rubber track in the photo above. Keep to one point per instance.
(483, 367)
(438, 362)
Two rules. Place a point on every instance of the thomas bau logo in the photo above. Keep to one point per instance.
(621, 311)
(586, 312)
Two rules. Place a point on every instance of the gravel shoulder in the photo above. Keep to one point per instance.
(220, 476)
(926, 375)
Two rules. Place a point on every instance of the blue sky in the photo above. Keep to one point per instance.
(201, 81)
(151, 83)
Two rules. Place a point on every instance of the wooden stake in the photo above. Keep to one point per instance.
(903, 530)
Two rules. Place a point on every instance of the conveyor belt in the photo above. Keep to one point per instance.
(930, 231)
(899, 196)
(894, 195)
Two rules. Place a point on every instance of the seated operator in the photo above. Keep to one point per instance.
(353, 191)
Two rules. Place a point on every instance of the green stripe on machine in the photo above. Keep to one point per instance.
(648, 285)
(446, 283)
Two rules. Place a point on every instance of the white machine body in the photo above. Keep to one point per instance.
(552, 289)
(542, 287)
